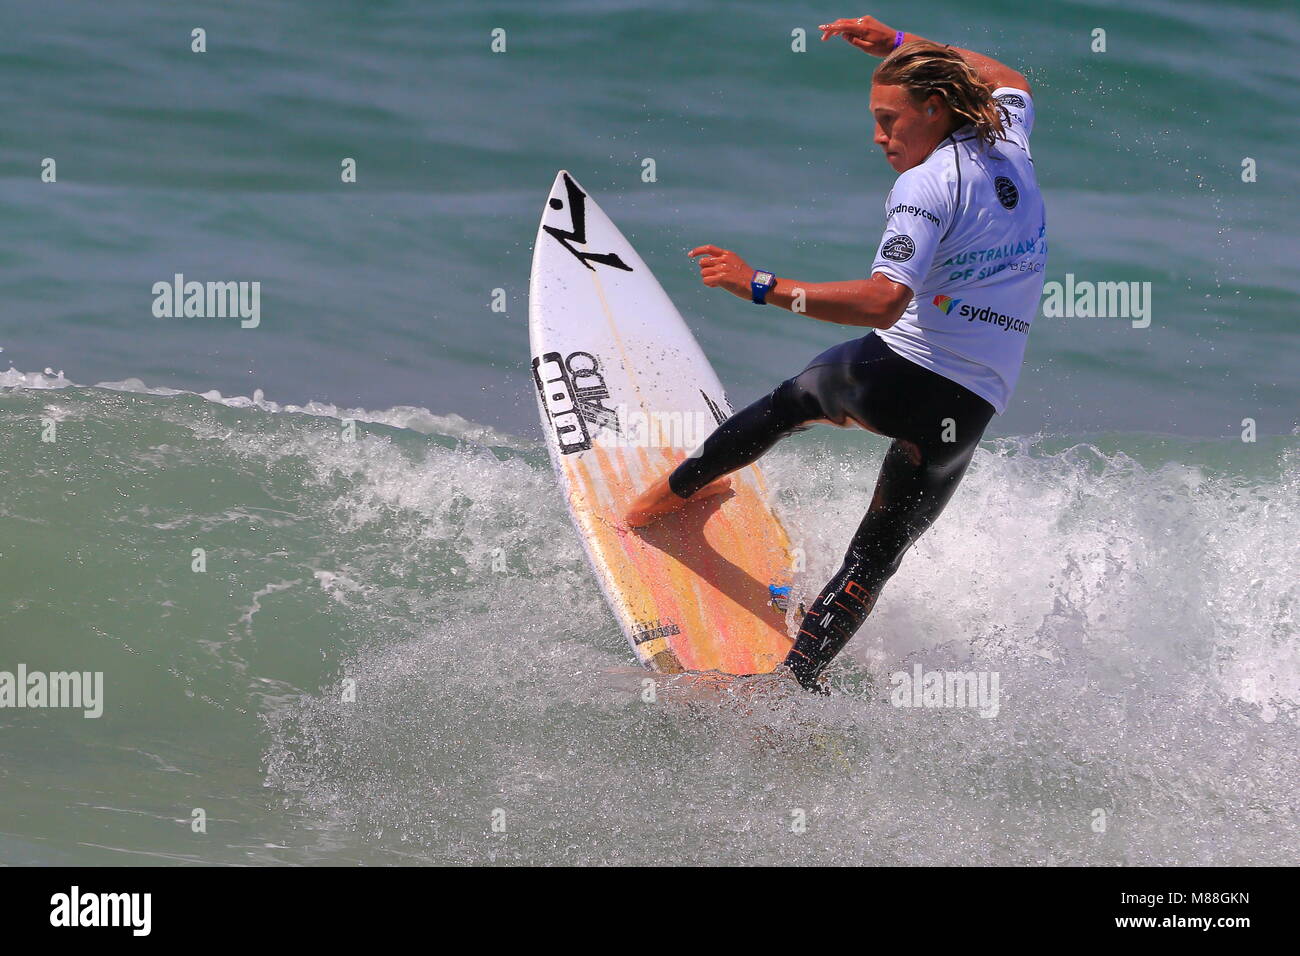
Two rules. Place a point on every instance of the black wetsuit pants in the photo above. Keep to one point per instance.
(935, 425)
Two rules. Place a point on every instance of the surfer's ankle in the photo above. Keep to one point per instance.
(637, 519)
(809, 679)
(650, 504)
(717, 487)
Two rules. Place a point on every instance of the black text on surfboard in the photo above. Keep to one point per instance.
(578, 230)
(572, 391)
(644, 631)
(714, 408)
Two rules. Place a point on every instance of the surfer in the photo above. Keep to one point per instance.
(953, 290)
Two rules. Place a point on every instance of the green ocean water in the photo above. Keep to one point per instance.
(1118, 553)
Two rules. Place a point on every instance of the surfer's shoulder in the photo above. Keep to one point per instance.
(942, 167)
(927, 191)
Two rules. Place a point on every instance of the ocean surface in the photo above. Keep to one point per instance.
(397, 654)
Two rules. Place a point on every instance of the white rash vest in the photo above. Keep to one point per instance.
(967, 233)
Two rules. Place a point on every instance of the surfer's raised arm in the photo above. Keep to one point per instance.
(875, 303)
(871, 36)
(921, 96)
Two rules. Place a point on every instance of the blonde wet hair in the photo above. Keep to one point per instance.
(924, 68)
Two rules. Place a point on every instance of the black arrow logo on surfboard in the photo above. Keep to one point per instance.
(578, 232)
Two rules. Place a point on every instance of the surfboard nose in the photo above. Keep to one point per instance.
(559, 196)
(566, 196)
(563, 183)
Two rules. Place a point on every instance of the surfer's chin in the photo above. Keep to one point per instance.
(897, 162)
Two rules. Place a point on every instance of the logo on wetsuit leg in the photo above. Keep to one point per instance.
(572, 391)
(898, 249)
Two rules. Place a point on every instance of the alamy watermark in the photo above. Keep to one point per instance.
(82, 690)
(1086, 299)
(208, 300)
(978, 690)
(664, 429)
(74, 909)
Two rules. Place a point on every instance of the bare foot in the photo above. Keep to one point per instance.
(659, 499)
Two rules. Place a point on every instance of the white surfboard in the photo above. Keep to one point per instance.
(625, 393)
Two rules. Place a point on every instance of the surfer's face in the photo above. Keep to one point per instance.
(907, 131)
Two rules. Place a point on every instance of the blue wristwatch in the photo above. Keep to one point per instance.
(760, 286)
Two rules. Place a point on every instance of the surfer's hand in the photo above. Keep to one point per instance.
(723, 268)
(865, 33)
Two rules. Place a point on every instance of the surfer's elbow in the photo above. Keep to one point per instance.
(885, 319)
(886, 303)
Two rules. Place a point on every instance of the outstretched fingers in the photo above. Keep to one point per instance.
(706, 251)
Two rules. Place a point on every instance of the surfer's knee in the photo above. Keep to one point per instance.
(912, 451)
(877, 549)
(793, 405)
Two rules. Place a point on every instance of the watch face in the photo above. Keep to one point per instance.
(763, 278)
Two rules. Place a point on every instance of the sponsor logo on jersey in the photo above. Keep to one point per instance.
(1008, 194)
(572, 391)
(1011, 99)
(948, 305)
(898, 248)
(1030, 245)
(913, 211)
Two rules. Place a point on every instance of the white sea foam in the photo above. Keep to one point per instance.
(1137, 604)
(1140, 619)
